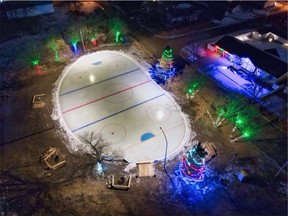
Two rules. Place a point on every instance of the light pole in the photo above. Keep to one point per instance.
(269, 7)
(267, 14)
(166, 147)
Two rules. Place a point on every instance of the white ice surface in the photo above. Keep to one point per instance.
(110, 93)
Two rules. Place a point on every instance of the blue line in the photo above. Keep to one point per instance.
(116, 113)
(98, 82)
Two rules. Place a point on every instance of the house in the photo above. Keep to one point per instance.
(258, 65)
(251, 58)
(175, 14)
(20, 9)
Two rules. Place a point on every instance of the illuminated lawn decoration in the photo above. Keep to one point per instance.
(93, 40)
(192, 168)
(117, 27)
(72, 36)
(35, 63)
(239, 122)
(74, 39)
(56, 56)
(117, 36)
(52, 44)
(246, 133)
(74, 44)
(194, 86)
(92, 35)
(31, 55)
(227, 108)
(99, 168)
(245, 122)
(164, 69)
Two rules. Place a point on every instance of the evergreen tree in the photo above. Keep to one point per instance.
(164, 69)
(193, 164)
(166, 61)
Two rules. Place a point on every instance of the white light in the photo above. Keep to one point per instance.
(91, 78)
(99, 168)
(270, 39)
(160, 114)
(286, 44)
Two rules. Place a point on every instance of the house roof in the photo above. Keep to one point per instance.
(272, 51)
(260, 59)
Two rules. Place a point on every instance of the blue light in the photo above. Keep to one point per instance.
(160, 75)
(75, 49)
(194, 191)
(235, 82)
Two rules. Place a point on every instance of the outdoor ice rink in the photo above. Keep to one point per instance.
(109, 93)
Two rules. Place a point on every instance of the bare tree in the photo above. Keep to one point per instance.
(97, 147)
(193, 84)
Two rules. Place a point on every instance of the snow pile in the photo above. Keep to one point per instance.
(129, 167)
(237, 9)
(74, 142)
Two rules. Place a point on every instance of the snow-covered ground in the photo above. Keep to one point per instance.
(239, 15)
(109, 93)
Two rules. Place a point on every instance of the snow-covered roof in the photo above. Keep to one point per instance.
(183, 6)
(261, 42)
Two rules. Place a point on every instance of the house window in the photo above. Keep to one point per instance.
(226, 55)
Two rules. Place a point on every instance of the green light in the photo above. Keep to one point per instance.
(56, 56)
(167, 54)
(190, 91)
(246, 134)
(117, 36)
(74, 43)
(35, 62)
(221, 112)
(239, 121)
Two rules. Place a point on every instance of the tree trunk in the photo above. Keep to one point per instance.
(233, 130)
(236, 138)
(219, 121)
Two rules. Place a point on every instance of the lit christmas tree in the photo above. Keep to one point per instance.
(165, 69)
(166, 62)
(193, 165)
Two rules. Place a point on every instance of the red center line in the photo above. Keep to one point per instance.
(105, 97)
